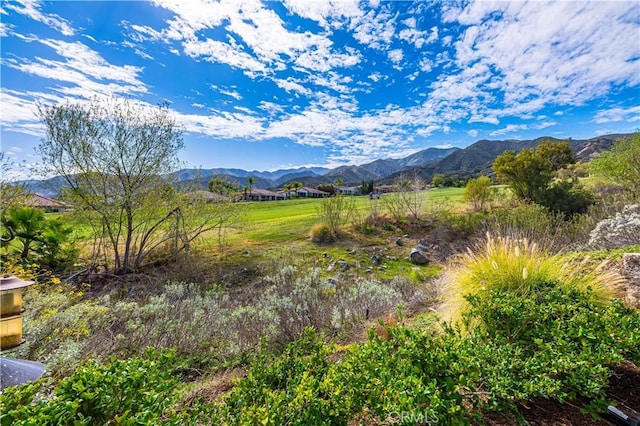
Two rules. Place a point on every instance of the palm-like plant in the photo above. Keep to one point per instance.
(252, 181)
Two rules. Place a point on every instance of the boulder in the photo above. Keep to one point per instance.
(631, 267)
(419, 256)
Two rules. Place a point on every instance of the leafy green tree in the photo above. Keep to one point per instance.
(367, 187)
(438, 180)
(478, 192)
(327, 187)
(531, 175)
(221, 186)
(113, 155)
(621, 164)
(530, 172)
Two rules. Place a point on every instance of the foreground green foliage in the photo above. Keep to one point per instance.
(125, 392)
(551, 342)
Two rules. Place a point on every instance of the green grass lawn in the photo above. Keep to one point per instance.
(273, 224)
(291, 220)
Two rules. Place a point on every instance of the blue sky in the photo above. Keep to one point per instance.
(267, 85)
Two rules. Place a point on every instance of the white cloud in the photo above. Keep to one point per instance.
(328, 14)
(631, 114)
(396, 55)
(19, 110)
(232, 93)
(290, 85)
(374, 29)
(426, 65)
(509, 129)
(217, 51)
(81, 74)
(413, 36)
(545, 124)
(30, 8)
(5, 29)
(269, 45)
(376, 77)
(473, 133)
(82, 65)
(552, 51)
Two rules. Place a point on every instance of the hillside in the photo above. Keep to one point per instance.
(476, 159)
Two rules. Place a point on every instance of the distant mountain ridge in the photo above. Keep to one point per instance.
(477, 158)
(473, 160)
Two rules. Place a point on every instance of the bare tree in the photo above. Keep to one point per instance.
(335, 211)
(405, 200)
(113, 155)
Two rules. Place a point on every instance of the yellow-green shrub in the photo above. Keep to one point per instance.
(520, 267)
(321, 233)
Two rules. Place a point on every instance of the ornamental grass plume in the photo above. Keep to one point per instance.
(518, 266)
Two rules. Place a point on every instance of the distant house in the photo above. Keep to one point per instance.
(264, 195)
(306, 192)
(47, 204)
(348, 190)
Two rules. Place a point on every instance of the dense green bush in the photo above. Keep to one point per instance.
(125, 392)
(552, 343)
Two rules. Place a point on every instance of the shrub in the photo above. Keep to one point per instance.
(619, 231)
(478, 192)
(39, 239)
(210, 323)
(528, 221)
(452, 226)
(336, 211)
(517, 266)
(620, 164)
(58, 322)
(405, 201)
(132, 391)
(321, 233)
(553, 343)
(567, 197)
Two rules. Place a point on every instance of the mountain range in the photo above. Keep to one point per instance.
(474, 160)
